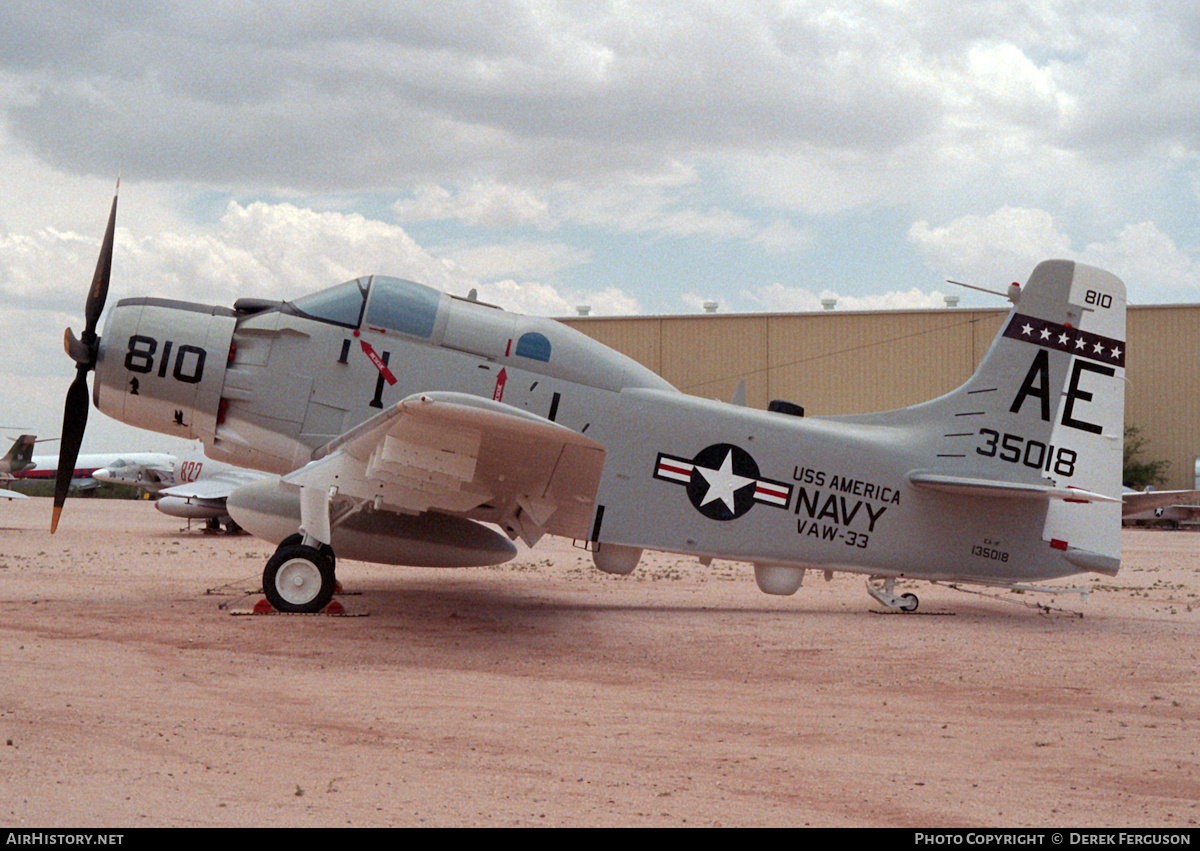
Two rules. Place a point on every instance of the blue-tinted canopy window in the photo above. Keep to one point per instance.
(403, 306)
(341, 305)
(534, 346)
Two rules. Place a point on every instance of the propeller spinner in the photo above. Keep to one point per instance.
(83, 350)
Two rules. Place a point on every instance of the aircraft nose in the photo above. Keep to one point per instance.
(102, 475)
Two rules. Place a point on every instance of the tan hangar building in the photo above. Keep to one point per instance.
(849, 362)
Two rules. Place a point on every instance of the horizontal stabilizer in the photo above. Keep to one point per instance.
(968, 486)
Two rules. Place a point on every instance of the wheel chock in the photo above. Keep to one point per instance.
(264, 607)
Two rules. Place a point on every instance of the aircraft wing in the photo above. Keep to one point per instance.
(466, 455)
(156, 474)
(1136, 502)
(7, 494)
(216, 486)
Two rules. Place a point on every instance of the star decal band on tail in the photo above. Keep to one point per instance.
(1064, 338)
(722, 481)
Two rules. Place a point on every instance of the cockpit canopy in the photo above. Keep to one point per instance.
(391, 303)
(396, 306)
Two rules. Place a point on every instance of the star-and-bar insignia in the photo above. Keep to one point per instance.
(722, 481)
(1064, 338)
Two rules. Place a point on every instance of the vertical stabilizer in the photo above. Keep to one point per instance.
(1044, 414)
(19, 455)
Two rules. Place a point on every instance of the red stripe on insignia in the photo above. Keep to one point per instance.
(673, 467)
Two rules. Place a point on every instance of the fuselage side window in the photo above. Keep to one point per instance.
(341, 305)
(534, 346)
(403, 306)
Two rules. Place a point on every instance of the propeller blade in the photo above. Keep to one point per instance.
(98, 293)
(83, 351)
(75, 414)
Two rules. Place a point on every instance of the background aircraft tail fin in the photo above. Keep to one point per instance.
(21, 452)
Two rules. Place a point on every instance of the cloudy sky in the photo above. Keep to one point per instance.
(639, 157)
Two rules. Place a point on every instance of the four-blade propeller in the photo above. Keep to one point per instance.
(83, 350)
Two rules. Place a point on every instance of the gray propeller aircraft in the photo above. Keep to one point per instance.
(399, 420)
(190, 486)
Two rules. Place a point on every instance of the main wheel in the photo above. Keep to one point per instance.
(297, 538)
(298, 579)
(909, 602)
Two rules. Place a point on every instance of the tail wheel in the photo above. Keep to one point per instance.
(299, 579)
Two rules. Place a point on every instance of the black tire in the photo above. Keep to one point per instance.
(298, 579)
(910, 603)
(296, 538)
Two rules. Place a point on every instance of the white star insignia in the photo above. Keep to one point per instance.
(1099, 348)
(1045, 333)
(1116, 352)
(1080, 343)
(1027, 330)
(723, 483)
(1062, 339)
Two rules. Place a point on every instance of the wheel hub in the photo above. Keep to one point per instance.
(298, 581)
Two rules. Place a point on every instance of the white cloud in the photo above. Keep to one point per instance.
(991, 249)
(1006, 245)
(488, 203)
(1152, 266)
(522, 258)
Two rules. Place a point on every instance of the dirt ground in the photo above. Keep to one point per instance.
(544, 692)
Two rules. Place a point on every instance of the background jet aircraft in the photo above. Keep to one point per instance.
(399, 420)
(193, 487)
(149, 469)
(18, 457)
(1174, 506)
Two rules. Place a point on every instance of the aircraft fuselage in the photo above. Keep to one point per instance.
(267, 386)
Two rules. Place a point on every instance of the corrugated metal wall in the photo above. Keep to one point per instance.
(842, 362)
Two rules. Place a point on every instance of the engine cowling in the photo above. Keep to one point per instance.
(161, 365)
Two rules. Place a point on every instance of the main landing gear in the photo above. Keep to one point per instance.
(300, 578)
(883, 589)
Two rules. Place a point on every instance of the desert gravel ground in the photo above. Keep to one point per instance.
(543, 692)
